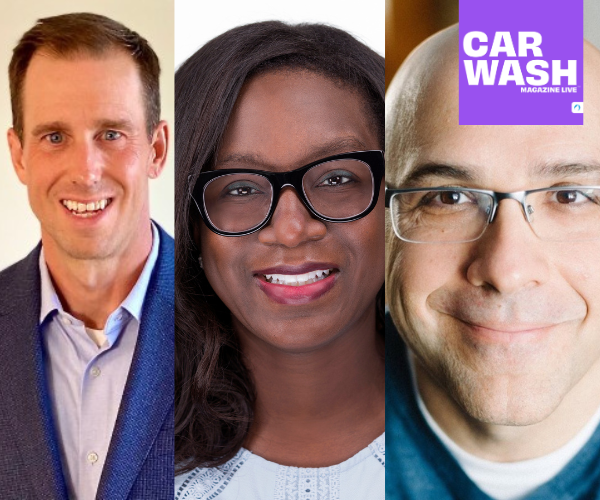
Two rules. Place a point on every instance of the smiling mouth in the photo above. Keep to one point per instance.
(509, 327)
(297, 279)
(88, 209)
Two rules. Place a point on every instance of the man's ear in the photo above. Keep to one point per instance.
(160, 145)
(16, 154)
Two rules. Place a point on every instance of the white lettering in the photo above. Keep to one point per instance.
(508, 47)
(534, 46)
(570, 72)
(488, 74)
(516, 76)
(468, 44)
(532, 69)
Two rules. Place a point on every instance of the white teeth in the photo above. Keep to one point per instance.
(298, 279)
(86, 209)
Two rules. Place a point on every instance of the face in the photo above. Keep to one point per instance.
(507, 325)
(85, 156)
(282, 121)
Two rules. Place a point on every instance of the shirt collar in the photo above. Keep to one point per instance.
(133, 303)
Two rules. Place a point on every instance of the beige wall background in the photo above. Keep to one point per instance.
(153, 19)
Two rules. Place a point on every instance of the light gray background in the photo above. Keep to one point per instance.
(153, 19)
(591, 22)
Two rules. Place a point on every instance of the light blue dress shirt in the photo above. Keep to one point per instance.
(86, 382)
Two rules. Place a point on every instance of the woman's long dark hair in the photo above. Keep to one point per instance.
(214, 394)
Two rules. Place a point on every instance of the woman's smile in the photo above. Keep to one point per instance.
(297, 285)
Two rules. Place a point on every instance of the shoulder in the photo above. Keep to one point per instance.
(377, 449)
(397, 370)
(210, 482)
(167, 244)
(20, 280)
(163, 275)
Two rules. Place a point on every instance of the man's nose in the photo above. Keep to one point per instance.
(86, 163)
(509, 256)
(291, 224)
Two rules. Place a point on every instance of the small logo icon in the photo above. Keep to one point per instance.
(577, 107)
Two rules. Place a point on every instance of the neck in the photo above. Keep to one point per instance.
(91, 289)
(505, 443)
(318, 408)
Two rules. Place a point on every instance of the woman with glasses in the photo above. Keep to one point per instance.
(280, 261)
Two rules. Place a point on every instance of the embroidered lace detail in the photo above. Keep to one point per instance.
(294, 483)
(377, 448)
(206, 484)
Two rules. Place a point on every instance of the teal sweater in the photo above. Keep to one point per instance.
(420, 468)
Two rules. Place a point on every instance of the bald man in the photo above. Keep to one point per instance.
(493, 286)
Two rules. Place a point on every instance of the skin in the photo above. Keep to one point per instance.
(85, 139)
(503, 330)
(317, 367)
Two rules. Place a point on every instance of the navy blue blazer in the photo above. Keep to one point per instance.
(139, 464)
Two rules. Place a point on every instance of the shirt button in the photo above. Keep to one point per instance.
(95, 372)
(66, 320)
(92, 457)
(119, 316)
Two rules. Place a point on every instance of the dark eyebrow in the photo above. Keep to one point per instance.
(46, 128)
(122, 124)
(437, 170)
(565, 169)
(337, 146)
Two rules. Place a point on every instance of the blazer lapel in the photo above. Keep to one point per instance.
(23, 380)
(148, 395)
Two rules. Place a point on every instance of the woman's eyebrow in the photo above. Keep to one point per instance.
(250, 160)
(437, 170)
(336, 146)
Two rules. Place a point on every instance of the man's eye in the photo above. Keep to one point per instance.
(54, 138)
(445, 198)
(453, 197)
(112, 135)
(569, 197)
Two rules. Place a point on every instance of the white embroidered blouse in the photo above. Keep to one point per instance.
(250, 477)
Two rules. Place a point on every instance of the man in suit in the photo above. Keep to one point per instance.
(493, 337)
(86, 320)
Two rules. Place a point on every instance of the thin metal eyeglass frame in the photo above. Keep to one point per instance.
(497, 197)
(374, 159)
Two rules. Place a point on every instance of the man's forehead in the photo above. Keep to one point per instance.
(537, 175)
(106, 87)
(501, 157)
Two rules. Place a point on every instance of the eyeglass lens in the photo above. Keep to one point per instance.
(338, 189)
(461, 215)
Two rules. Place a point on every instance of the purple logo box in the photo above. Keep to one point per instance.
(530, 69)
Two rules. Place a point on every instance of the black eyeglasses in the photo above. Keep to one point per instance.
(458, 215)
(340, 188)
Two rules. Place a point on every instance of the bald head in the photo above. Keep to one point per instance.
(422, 100)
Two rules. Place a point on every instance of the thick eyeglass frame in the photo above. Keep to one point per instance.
(497, 197)
(373, 159)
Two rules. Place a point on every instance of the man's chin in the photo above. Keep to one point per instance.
(89, 251)
(510, 403)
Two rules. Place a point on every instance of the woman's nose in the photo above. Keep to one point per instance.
(291, 224)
